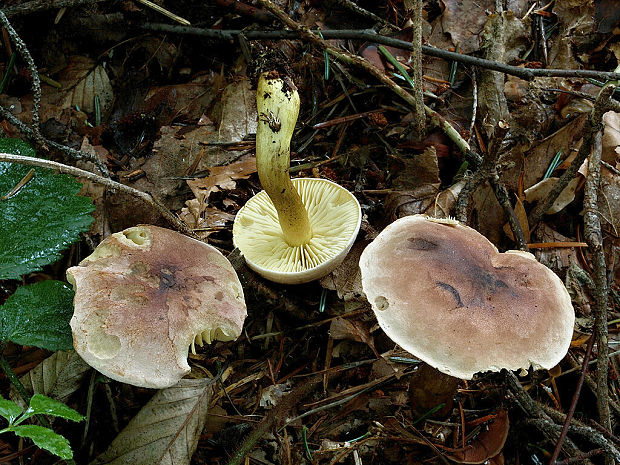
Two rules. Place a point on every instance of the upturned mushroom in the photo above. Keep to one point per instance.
(443, 292)
(144, 297)
(296, 230)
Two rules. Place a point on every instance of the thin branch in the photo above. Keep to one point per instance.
(354, 7)
(275, 417)
(419, 119)
(78, 173)
(584, 432)
(594, 238)
(34, 73)
(591, 126)
(33, 132)
(361, 63)
(369, 35)
(573, 404)
(46, 143)
(44, 5)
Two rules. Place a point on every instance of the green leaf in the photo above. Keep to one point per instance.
(17, 147)
(43, 218)
(46, 439)
(9, 410)
(38, 315)
(41, 404)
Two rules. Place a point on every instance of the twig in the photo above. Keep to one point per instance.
(593, 236)
(527, 74)
(585, 432)
(45, 143)
(361, 63)
(275, 417)
(355, 8)
(591, 126)
(33, 132)
(573, 405)
(34, 73)
(501, 194)
(531, 409)
(581, 458)
(419, 119)
(43, 5)
(66, 169)
(488, 172)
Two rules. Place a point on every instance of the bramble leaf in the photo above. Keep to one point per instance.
(38, 315)
(46, 439)
(9, 410)
(39, 220)
(41, 404)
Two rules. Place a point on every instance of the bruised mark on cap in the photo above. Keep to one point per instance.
(417, 243)
(453, 291)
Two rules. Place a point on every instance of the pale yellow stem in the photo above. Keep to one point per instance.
(277, 103)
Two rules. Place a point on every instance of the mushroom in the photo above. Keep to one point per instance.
(296, 230)
(144, 296)
(443, 292)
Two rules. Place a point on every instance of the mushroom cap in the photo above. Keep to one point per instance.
(443, 292)
(144, 296)
(335, 219)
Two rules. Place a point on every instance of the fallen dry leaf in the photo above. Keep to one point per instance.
(82, 80)
(611, 138)
(464, 23)
(346, 280)
(223, 177)
(541, 189)
(489, 443)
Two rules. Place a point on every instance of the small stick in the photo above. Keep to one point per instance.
(275, 417)
(78, 173)
(527, 74)
(573, 405)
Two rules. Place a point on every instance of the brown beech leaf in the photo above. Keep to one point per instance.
(487, 444)
(611, 137)
(223, 176)
(522, 218)
(82, 80)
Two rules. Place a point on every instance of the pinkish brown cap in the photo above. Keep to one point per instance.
(443, 292)
(146, 295)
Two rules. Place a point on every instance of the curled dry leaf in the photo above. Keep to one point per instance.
(445, 201)
(540, 191)
(223, 176)
(487, 444)
(611, 138)
(82, 80)
(346, 279)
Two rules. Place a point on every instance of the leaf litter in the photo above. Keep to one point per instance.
(178, 120)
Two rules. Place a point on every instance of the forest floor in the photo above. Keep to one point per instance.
(516, 134)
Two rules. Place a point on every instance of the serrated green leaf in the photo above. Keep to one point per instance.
(166, 430)
(46, 439)
(41, 404)
(38, 315)
(17, 147)
(9, 410)
(41, 219)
